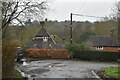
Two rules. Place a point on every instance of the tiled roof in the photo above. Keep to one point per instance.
(42, 33)
(57, 46)
(102, 41)
(38, 43)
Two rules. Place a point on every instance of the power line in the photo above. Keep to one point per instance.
(88, 16)
(71, 16)
(80, 8)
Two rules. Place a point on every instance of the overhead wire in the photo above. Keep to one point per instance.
(88, 16)
(82, 6)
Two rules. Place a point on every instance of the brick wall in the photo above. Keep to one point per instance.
(110, 49)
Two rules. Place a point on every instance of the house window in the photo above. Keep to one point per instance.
(99, 47)
(118, 48)
(45, 39)
(35, 45)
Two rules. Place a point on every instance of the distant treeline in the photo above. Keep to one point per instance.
(60, 31)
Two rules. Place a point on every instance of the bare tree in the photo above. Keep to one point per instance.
(115, 11)
(17, 12)
(116, 17)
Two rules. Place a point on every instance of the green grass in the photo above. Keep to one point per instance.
(17, 74)
(112, 72)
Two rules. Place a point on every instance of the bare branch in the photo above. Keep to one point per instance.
(13, 10)
(21, 11)
(11, 15)
(19, 21)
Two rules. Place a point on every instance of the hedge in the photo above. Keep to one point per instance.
(96, 55)
(49, 53)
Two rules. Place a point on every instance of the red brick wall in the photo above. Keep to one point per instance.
(110, 49)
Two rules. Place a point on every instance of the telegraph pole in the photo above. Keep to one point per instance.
(119, 31)
(71, 28)
(118, 17)
(71, 14)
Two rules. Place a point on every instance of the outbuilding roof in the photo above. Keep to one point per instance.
(42, 33)
(102, 41)
(38, 42)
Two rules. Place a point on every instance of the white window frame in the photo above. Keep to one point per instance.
(118, 48)
(34, 45)
(99, 48)
(45, 39)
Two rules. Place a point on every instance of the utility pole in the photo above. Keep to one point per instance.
(71, 14)
(71, 28)
(118, 17)
(118, 33)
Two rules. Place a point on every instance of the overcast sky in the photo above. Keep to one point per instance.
(61, 9)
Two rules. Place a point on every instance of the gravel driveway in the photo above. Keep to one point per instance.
(63, 68)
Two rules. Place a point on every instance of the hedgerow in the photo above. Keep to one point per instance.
(49, 53)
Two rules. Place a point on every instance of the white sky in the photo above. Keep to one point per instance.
(85, 0)
(61, 9)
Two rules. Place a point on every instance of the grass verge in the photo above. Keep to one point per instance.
(17, 74)
(112, 72)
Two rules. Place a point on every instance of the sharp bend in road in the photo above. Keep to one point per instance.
(62, 69)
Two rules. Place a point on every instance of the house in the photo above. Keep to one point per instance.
(103, 43)
(43, 40)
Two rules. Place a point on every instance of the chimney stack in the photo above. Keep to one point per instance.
(42, 23)
(112, 35)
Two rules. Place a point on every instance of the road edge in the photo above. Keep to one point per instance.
(96, 75)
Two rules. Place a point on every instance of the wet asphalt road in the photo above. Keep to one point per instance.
(63, 68)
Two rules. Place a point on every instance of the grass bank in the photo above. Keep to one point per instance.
(17, 74)
(111, 72)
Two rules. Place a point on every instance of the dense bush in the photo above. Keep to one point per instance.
(72, 48)
(8, 58)
(48, 53)
(83, 52)
(96, 55)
